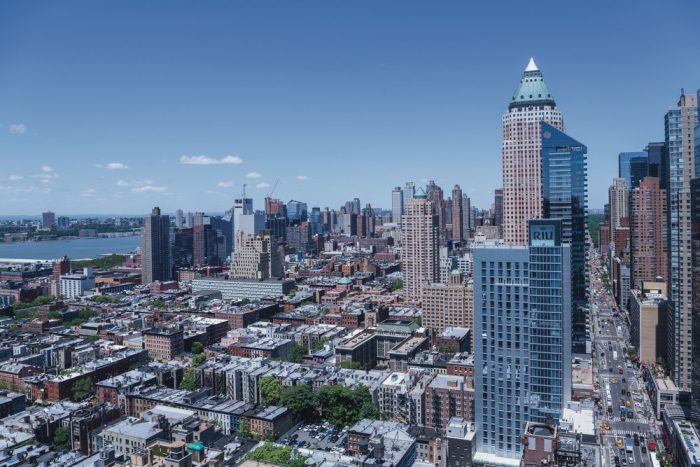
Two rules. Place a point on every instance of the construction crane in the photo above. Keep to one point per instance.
(274, 186)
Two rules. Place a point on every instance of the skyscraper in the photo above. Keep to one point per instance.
(658, 163)
(466, 217)
(179, 219)
(155, 248)
(449, 304)
(633, 167)
(522, 195)
(457, 215)
(679, 123)
(396, 204)
(522, 306)
(648, 232)
(408, 191)
(565, 197)
(618, 200)
(498, 208)
(48, 219)
(420, 245)
(437, 196)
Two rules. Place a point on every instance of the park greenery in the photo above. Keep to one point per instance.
(39, 301)
(594, 221)
(398, 285)
(350, 365)
(339, 405)
(103, 262)
(197, 347)
(274, 454)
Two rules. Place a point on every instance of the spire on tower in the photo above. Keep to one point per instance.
(531, 66)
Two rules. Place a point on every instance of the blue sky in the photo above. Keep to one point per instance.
(102, 102)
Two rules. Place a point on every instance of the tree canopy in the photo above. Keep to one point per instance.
(188, 382)
(270, 390)
(275, 454)
(301, 400)
(344, 406)
(81, 389)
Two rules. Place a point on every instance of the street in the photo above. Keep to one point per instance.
(624, 414)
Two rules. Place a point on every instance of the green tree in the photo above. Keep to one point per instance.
(297, 353)
(270, 390)
(82, 388)
(188, 383)
(321, 344)
(197, 347)
(300, 399)
(398, 285)
(344, 406)
(61, 439)
(198, 359)
(275, 454)
(350, 365)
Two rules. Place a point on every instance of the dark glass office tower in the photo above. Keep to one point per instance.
(565, 197)
(633, 167)
(155, 248)
(656, 160)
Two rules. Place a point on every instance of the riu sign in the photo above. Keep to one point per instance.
(542, 235)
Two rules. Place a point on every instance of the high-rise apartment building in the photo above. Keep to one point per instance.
(420, 245)
(396, 204)
(48, 219)
(155, 248)
(448, 305)
(522, 306)
(256, 257)
(457, 215)
(437, 196)
(204, 245)
(498, 208)
(633, 167)
(695, 219)
(618, 200)
(409, 191)
(679, 123)
(522, 191)
(648, 232)
(60, 267)
(565, 197)
(467, 224)
(179, 219)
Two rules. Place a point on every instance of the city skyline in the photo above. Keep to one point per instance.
(158, 119)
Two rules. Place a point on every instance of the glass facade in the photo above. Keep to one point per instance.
(633, 167)
(522, 315)
(565, 197)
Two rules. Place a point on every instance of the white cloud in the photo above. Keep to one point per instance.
(206, 160)
(47, 176)
(228, 184)
(149, 189)
(302, 177)
(18, 129)
(46, 168)
(14, 178)
(24, 189)
(135, 183)
(89, 193)
(253, 175)
(262, 185)
(113, 166)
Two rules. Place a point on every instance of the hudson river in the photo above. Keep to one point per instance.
(74, 249)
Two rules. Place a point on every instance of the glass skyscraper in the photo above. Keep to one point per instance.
(565, 197)
(522, 321)
(633, 167)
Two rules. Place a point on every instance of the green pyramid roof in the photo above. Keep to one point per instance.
(532, 89)
(420, 193)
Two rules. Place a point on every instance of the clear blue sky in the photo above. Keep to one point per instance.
(336, 99)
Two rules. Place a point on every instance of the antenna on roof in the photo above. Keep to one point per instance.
(244, 185)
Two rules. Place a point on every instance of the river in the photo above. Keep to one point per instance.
(78, 248)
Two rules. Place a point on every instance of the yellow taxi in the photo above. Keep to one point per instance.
(628, 404)
(619, 443)
(613, 381)
(605, 426)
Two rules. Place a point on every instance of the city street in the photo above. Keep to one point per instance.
(624, 409)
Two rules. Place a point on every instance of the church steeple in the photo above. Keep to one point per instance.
(532, 89)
